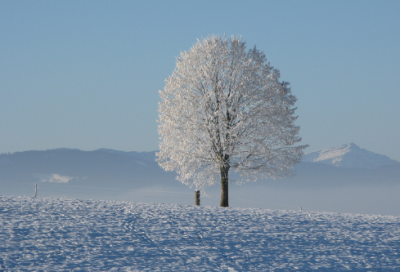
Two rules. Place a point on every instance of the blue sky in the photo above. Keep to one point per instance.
(86, 74)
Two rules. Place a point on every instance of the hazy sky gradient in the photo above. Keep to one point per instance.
(86, 74)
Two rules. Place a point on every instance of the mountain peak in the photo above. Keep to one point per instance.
(348, 155)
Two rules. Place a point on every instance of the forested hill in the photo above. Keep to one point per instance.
(139, 169)
(100, 167)
(135, 176)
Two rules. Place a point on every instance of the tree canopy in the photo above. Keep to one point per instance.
(224, 108)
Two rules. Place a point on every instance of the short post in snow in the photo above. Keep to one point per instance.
(197, 198)
(35, 190)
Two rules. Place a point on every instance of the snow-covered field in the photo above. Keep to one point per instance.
(87, 235)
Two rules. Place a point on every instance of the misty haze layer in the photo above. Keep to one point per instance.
(326, 180)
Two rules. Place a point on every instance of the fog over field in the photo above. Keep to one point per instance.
(107, 174)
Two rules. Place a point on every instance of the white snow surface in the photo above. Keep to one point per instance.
(348, 155)
(87, 235)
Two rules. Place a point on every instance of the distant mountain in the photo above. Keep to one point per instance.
(144, 156)
(104, 167)
(349, 156)
(100, 167)
(363, 182)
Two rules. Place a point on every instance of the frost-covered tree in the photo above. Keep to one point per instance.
(225, 109)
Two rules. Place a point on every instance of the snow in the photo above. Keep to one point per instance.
(348, 155)
(67, 234)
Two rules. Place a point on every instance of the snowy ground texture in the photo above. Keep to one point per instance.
(87, 235)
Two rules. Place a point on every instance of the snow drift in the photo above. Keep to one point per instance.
(88, 235)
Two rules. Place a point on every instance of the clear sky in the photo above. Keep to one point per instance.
(86, 74)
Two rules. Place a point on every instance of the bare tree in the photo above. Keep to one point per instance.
(225, 109)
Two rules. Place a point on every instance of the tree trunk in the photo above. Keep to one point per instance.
(197, 198)
(224, 202)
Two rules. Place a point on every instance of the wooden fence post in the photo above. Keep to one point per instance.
(197, 198)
